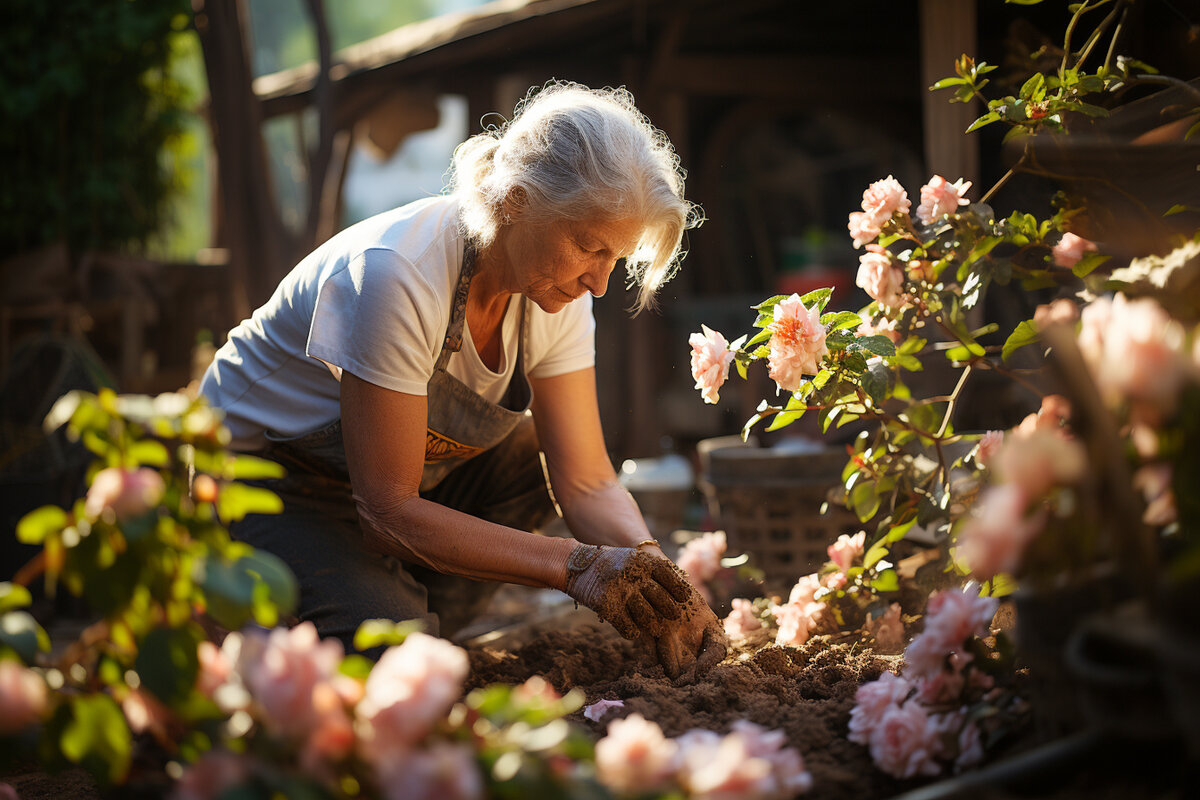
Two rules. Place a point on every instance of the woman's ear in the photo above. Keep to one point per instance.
(513, 204)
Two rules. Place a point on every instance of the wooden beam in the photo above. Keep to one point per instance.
(794, 77)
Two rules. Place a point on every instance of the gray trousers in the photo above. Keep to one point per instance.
(342, 583)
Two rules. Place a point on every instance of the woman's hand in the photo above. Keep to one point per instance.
(644, 594)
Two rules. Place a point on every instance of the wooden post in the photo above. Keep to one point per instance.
(948, 30)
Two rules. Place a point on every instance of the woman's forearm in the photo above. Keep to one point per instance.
(606, 514)
(455, 543)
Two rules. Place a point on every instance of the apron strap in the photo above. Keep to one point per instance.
(458, 311)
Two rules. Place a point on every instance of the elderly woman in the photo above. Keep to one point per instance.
(412, 373)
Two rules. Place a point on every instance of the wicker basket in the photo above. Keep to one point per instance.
(769, 504)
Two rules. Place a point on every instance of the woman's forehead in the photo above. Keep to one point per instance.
(619, 235)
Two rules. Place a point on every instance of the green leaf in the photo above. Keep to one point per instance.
(20, 631)
(97, 738)
(986, 119)
(253, 468)
(1177, 208)
(1089, 262)
(981, 249)
(864, 500)
(841, 319)
(149, 453)
(965, 352)
(236, 500)
(1036, 83)
(878, 345)
(1192, 131)
(817, 298)
(167, 662)
(63, 410)
(946, 83)
(384, 633)
(785, 418)
(874, 555)
(13, 595)
(1025, 333)
(356, 666)
(35, 526)
(886, 581)
(999, 586)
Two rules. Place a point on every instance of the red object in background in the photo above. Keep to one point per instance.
(810, 278)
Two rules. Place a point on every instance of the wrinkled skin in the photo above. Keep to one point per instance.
(644, 594)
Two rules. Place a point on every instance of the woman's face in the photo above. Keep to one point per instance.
(557, 262)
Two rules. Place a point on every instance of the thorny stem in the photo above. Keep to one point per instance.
(1167, 80)
(1004, 178)
(1099, 32)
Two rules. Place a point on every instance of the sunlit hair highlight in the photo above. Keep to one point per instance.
(575, 153)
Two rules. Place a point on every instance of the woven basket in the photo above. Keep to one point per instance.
(769, 504)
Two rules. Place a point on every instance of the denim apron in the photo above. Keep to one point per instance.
(481, 458)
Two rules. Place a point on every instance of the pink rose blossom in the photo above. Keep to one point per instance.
(834, 580)
(1058, 312)
(126, 494)
(863, 228)
(537, 689)
(905, 742)
(888, 630)
(939, 197)
(884, 327)
(215, 669)
(994, 538)
(796, 622)
(701, 557)
(1070, 249)
(720, 768)
(1039, 461)
(22, 697)
(1143, 356)
(282, 670)
(441, 771)
(872, 700)
(599, 709)
(144, 712)
(411, 688)
(215, 773)
(805, 590)
(332, 735)
(741, 619)
(1094, 320)
(941, 687)
(787, 764)
(846, 549)
(634, 756)
(797, 343)
(884, 198)
(988, 446)
(881, 279)
(951, 617)
(711, 356)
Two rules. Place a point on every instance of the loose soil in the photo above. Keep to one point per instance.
(807, 692)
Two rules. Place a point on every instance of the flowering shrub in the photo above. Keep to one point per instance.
(1105, 469)
(938, 714)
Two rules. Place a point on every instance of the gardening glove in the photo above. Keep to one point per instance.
(637, 592)
(694, 644)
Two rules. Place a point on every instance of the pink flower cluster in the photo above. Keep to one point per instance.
(123, 494)
(1136, 354)
(1071, 249)
(801, 614)
(916, 724)
(1037, 456)
(700, 558)
(711, 356)
(847, 549)
(797, 343)
(749, 762)
(882, 280)
(880, 202)
(741, 619)
(288, 681)
(939, 197)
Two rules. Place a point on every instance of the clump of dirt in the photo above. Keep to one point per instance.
(807, 692)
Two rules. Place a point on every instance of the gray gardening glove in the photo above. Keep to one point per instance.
(644, 594)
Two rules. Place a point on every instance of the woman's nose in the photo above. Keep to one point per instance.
(596, 280)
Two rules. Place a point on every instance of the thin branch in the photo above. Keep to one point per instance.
(954, 400)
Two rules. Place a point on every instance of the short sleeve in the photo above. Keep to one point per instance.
(563, 342)
(378, 318)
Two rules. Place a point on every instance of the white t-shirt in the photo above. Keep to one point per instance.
(375, 300)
